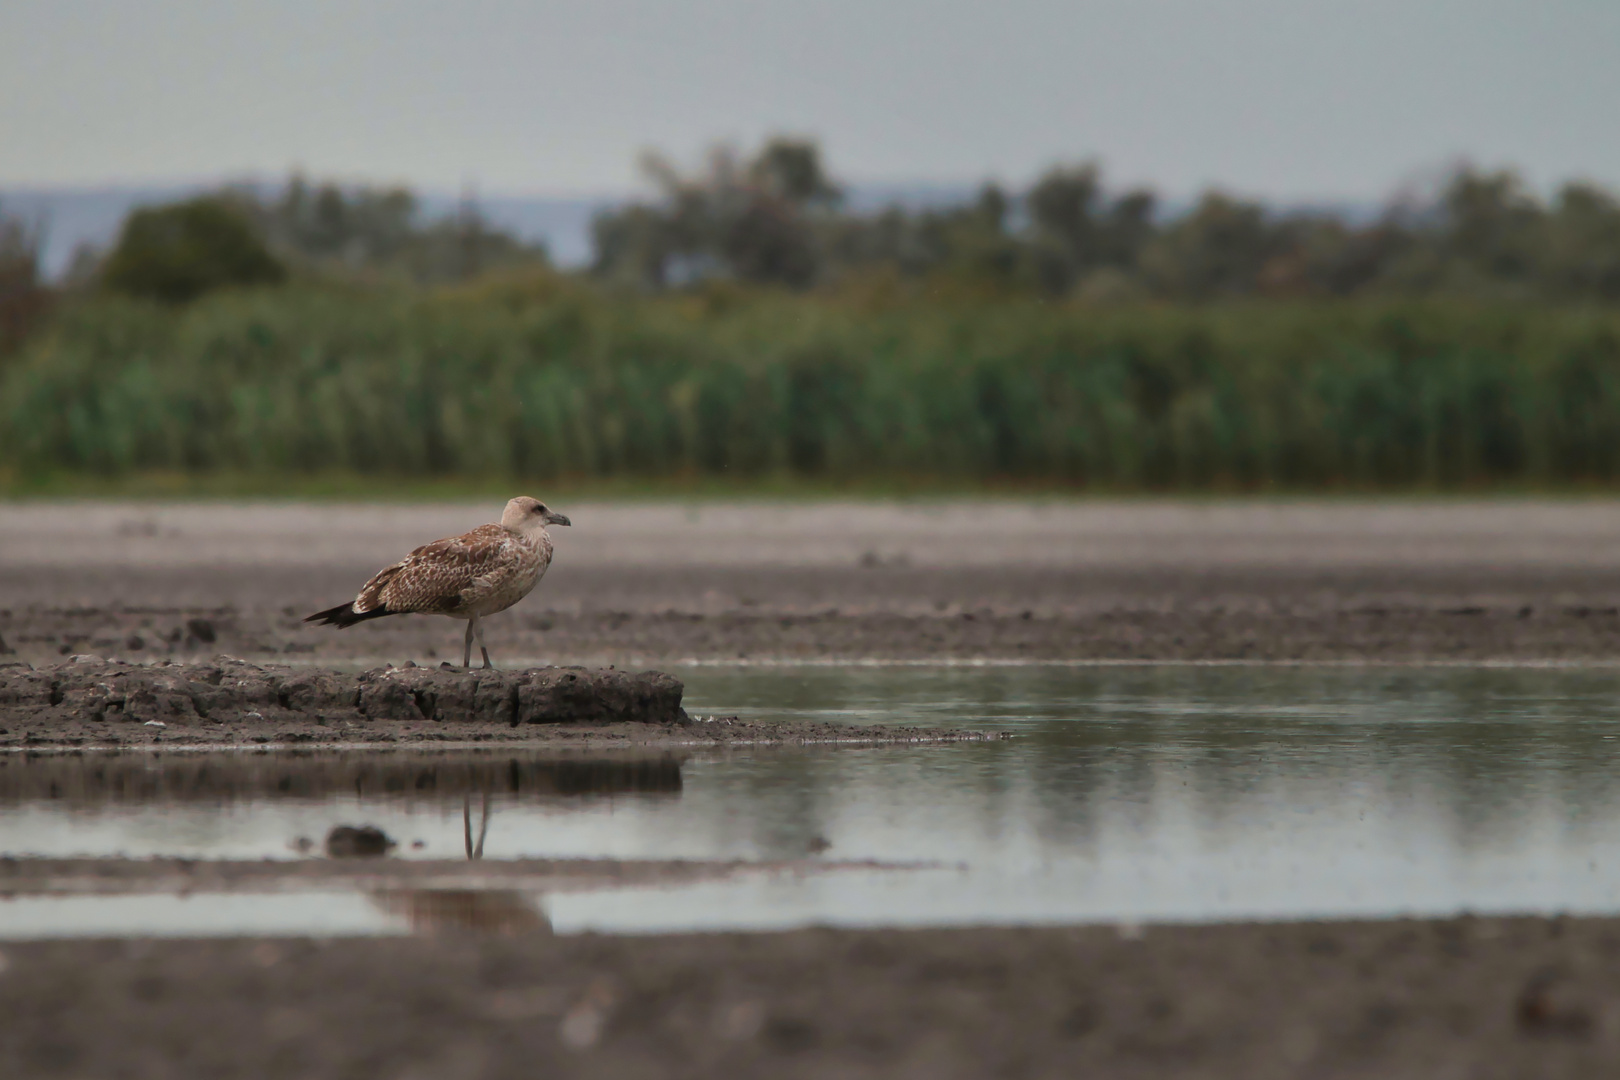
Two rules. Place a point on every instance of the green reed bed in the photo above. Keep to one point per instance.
(565, 382)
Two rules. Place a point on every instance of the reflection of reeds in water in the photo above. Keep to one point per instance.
(492, 911)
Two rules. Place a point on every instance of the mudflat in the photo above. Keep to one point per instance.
(1474, 997)
(640, 584)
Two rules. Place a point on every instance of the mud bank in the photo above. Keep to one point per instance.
(92, 702)
(228, 691)
(1484, 998)
(650, 585)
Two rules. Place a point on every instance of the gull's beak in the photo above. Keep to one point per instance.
(554, 518)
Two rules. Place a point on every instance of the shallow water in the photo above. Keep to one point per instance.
(1128, 794)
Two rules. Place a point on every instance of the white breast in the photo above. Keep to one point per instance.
(513, 579)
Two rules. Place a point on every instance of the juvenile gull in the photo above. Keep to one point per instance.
(465, 577)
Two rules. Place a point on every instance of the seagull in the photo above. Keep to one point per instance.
(465, 577)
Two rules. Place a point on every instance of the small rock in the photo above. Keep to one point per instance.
(5, 650)
(155, 723)
(202, 630)
(363, 841)
(134, 642)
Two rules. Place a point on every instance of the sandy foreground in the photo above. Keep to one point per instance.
(1477, 998)
(644, 584)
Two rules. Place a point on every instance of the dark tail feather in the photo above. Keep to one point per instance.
(345, 615)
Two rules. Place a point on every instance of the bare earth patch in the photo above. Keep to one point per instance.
(639, 585)
(1470, 997)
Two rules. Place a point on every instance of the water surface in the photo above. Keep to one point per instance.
(1127, 794)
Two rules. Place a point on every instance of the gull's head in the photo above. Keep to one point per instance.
(527, 515)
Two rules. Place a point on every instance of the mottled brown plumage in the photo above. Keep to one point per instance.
(467, 577)
(484, 571)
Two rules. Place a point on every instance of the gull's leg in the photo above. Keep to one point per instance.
(466, 821)
(466, 651)
(479, 630)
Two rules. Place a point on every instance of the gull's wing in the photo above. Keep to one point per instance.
(441, 577)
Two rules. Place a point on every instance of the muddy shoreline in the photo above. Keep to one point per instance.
(649, 585)
(90, 702)
(1475, 997)
(1265, 623)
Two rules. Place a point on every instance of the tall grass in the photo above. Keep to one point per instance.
(564, 382)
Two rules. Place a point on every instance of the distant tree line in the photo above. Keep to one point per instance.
(243, 236)
(380, 231)
(645, 367)
(777, 218)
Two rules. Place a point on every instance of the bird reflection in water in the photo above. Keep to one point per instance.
(466, 826)
(490, 911)
(503, 911)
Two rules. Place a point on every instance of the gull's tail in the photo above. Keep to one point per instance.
(345, 615)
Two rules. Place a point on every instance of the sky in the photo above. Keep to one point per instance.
(1283, 99)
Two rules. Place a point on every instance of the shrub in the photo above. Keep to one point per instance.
(177, 253)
